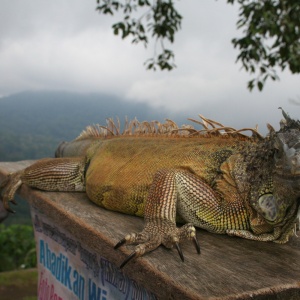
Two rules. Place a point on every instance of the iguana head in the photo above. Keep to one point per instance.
(281, 204)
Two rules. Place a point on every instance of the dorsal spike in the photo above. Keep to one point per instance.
(134, 127)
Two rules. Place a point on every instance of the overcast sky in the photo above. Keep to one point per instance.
(68, 45)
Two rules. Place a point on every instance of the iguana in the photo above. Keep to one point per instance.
(217, 179)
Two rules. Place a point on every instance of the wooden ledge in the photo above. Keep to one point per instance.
(228, 267)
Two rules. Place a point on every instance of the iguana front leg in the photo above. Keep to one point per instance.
(168, 187)
(51, 174)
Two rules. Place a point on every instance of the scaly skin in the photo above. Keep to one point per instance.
(225, 184)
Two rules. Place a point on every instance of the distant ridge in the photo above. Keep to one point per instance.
(32, 124)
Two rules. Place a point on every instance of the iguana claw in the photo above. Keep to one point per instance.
(120, 243)
(148, 240)
(8, 189)
(179, 251)
(128, 258)
(6, 205)
(10, 210)
(197, 245)
(134, 253)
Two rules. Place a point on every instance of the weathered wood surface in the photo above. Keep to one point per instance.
(228, 267)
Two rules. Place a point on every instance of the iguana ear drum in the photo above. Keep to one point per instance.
(267, 204)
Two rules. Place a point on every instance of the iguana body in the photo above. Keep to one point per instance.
(111, 178)
(222, 183)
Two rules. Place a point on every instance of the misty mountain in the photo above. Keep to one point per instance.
(32, 124)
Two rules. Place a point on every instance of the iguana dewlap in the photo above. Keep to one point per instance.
(222, 182)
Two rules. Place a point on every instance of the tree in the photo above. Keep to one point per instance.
(271, 33)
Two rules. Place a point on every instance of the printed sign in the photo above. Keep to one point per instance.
(69, 270)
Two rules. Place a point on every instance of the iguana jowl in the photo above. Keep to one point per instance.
(216, 179)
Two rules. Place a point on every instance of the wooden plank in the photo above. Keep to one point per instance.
(228, 267)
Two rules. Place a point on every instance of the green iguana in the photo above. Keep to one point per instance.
(217, 179)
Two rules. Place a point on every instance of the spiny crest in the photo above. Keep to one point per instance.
(288, 123)
(169, 128)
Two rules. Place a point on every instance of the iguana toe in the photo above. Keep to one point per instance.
(6, 205)
(13, 202)
(8, 189)
(153, 236)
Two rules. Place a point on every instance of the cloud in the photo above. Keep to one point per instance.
(68, 45)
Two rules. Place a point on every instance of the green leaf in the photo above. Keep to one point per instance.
(251, 84)
(260, 85)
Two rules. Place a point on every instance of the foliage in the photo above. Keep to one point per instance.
(271, 38)
(271, 31)
(160, 18)
(17, 247)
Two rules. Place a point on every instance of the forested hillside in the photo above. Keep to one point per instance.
(32, 124)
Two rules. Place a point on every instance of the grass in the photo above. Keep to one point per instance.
(19, 284)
